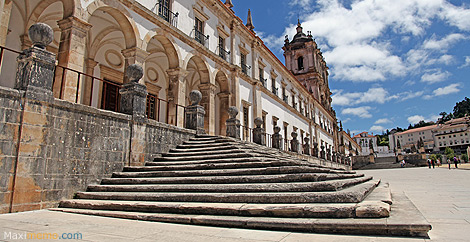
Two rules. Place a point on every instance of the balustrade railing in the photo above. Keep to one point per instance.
(223, 53)
(166, 14)
(245, 69)
(201, 38)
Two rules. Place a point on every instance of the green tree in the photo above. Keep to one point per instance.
(439, 156)
(449, 152)
(462, 108)
(464, 157)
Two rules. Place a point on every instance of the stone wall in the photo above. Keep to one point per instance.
(63, 147)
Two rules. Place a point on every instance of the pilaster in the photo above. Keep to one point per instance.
(176, 96)
(208, 102)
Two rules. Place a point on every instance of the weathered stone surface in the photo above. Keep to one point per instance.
(233, 124)
(194, 114)
(373, 209)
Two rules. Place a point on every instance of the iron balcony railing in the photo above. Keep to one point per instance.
(201, 38)
(223, 53)
(285, 98)
(165, 13)
(245, 69)
(275, 90)
(263, 81)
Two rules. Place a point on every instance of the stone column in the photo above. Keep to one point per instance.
(208, 102)
(233, 124)
(306, 146)
(134, 95)
(257, 108)
(35, 71)
(322, 152)
(259, 136)
(5, 12)
(294, 143)
(176, 96)
(134, 55)
(71, 55)
(277, 138)
(224, 99)
(88, 86)
(235, 86)
(195, 113)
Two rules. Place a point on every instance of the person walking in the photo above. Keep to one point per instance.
(429, 163)
(456, 161)
(432, 163)
(448, 162)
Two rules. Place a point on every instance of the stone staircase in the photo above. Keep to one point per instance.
(220, 181)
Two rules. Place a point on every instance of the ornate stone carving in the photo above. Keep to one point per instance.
(294, 143)
(195, 113)
(277, 137)
(134, 94)
(41, 35)
(232, 123)
(258, 132)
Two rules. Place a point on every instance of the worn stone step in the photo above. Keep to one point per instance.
(332, 185)
(209, 166)
(298, 177)
(225, 172)
(159, 162)
(205, 142)
(205, 157)
(311, 210)
(196, 146)
(353, 194)
(205, 138)
(226, 146)
(383, 226)
(204, 153)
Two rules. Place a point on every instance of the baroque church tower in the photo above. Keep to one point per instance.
(304, 59)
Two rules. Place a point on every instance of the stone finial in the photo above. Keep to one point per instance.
(258, 122)
(277, 129)
(249, 22)
(228, 3)
(306, 140)
(134, 72)
(294, 135)
(232, 112)
(195, 97)
(41, 35)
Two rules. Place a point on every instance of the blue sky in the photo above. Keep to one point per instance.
(392, 62)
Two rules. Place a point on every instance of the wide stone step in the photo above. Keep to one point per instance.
(405, 220)
(312, 210)
(203, 153)
(298, 177)
(199, 146)
(225, 172)
(353, 194)
(158, 162)
(333, 185)
(226, 146)
(205, 142)
(210, 166)
(205, 157)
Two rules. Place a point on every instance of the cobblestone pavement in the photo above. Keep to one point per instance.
(442, 195)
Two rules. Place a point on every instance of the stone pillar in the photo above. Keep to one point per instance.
(176, 96)
(88, 86)
(35, 71)
(257, 108)
(235, 86)
(233, 124)
(71, 55)
(208, 102)
(315, 149)
(306, 146)
(277, 137)
(134, 55)
(134, 95)
(195, 113)
(322, 152)
(259, 136)
(328, 154)
(5, 12)
(294, 143)
(224, 99)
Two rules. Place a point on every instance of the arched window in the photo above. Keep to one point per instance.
(300, 63)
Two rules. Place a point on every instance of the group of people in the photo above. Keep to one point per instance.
(431, 162)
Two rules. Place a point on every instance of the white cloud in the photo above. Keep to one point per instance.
(452, 88)
(415, 119)
(302, 3)
(443, 44)
(456, 16)
(467, 62)
(383, 121)
(373, 95)
(362, 112)
(435, 77)
(377, 129)
(407, 95)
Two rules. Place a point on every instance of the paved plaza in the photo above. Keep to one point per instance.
(442, 195)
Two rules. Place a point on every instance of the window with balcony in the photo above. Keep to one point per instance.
(199, 32)
(284, 95)
(222, 52)
(163, 10)
(273, 86)
(243, 65)
(261, 77)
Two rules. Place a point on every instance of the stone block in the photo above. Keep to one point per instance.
(372, 209)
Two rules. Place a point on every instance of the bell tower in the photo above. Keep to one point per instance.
(305, 60)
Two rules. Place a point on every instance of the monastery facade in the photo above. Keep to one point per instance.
(182, 46)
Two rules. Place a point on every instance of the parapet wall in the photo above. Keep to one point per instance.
(51, 149)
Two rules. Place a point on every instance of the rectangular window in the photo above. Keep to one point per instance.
(261, 77)
(151, 106)
(273, 86)
(110, 96)
(199, 31)
(243, 64)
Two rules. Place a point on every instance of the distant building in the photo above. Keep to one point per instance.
(365, 141)
(411, 137)
(347, 145)
(454, 133)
